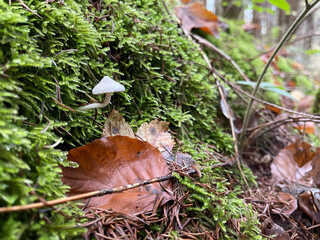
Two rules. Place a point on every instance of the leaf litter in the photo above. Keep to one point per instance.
(113, 162)
(288, 197)
(121, 158)
(195, 15)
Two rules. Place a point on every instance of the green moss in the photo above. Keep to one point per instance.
(304, 83)
(284, 65)
(60, 57)
(316, 106)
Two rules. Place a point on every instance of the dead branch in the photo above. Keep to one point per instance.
(238, 89)
(28, 9)
(228, 112)
(102, 192)
(221, 53)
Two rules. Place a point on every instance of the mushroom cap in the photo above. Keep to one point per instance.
(107, 85)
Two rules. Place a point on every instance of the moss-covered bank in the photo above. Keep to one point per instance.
(51, 59)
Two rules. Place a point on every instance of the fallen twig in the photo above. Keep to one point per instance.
(284, 39)
(103, 191)
(275, 124)
(229, 115)
(238, 89)
(62, 105)
(221, 53)
(28, 9)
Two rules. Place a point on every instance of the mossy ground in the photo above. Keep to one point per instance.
(49, 64)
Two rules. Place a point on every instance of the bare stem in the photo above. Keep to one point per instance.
(102, 192)
(255, 90)
(105, 102)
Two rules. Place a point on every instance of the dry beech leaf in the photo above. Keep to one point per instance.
(285, 167)
(116, 125)
(305, 104)
(274, 109)
(315, 172)
(156, 134)
(307, 204)
(195, 15)
(301, 152)
(290, 203)
(117, 161)
(307, 127)
(248, 27)
(297, 66)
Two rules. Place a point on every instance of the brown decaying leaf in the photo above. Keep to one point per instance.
(285, 165)
(305, 104)
(116, 125)
(301, 152)
(117, 161)
(306, 127)
(195, 15)
(274, 109)
(307, 204)
(156, 134)
(290, 203)
(315, 172)
(250, 26)
(297, 66)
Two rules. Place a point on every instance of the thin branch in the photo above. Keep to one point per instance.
(239, 90)
(62, 105)
(304, 37)
(257, 131)
(104, 191)
(229, 115)
(29, 9)
(165, 6)
(307, 3)
(221, 53)
(261, 77)
(236, 88)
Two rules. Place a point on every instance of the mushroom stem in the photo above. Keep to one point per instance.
(105, 102)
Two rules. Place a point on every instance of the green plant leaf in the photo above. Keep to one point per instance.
(282, 4)
(262, 9)
(312, 51)
(269, 87)
(263, 85)
(281, 92)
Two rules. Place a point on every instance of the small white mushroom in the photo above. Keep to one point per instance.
(107, 86)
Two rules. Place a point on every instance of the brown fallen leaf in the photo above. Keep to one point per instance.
(290, 204)
(117, 161)
(156, 134)
(297, 66)
(270, 228)
(307, 204)
(314, 174)
(285, 166)
(274, 109)
(195, 15)
(116, 125)
(248, 27)
(305, 104)
(306, 127)
(301, 152)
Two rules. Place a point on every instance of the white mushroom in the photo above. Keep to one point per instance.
(107, 86)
